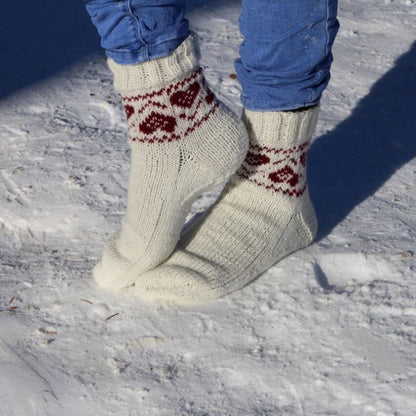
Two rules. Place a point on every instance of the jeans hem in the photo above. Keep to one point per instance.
(250, 105)
(146, 53)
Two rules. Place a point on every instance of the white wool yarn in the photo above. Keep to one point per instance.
(183, 141)
(263, 215)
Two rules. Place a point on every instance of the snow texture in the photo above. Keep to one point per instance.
(331, 330)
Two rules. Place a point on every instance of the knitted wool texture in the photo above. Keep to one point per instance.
(183, 141)
(263, 214)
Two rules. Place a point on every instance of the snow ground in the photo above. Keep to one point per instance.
(330, 330)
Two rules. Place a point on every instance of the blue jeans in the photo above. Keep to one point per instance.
(134, 31)
(285, 56)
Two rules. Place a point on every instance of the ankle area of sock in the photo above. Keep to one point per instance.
(159, 72)
(280, 128)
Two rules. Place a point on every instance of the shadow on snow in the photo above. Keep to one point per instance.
(348, 164)
(40, 39)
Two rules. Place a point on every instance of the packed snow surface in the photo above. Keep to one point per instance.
(331, 330)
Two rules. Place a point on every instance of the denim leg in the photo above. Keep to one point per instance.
(286, 52)
(134, 31)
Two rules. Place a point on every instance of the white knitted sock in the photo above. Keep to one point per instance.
(264, 214)
(183, 141)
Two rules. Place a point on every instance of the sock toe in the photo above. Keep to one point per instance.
(173, 284)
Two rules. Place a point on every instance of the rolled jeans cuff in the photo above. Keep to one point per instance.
(282, 98)
(145, 52)
(135, 31)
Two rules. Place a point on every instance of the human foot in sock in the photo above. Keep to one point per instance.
(183, 141)
(263, 215)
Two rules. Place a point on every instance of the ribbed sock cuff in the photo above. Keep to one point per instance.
(280, 128)
(157, 72)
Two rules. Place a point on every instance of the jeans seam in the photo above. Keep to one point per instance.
(138, 25)
(327, 29)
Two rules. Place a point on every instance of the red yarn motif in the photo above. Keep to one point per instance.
(303, 158)
(285, 175)
(277, 169)
(156, 121)
(129, 110)
(210, 96)
(185, 98)
(256, 159)
(171, 113)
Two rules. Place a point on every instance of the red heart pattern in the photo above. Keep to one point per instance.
(276, 169)
(157, 121)
(170, 113)
(185, 98)
(254, 159)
